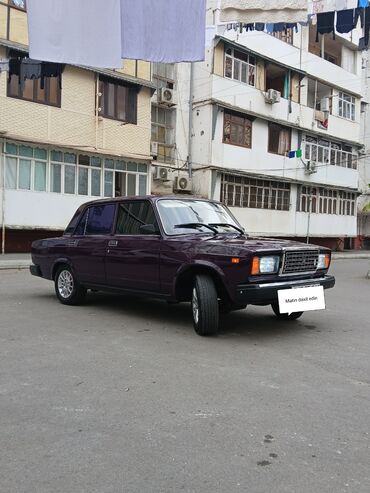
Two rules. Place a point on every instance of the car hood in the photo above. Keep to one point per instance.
(257, 244)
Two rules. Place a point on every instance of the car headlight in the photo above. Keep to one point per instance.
(324, 261)
(265, 265)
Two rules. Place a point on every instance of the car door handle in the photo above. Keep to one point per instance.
(73, 243)
(112, 243)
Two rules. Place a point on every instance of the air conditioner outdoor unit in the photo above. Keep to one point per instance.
(160, 173)
(182, 184)
(166, 96)
(272, 96)
(325, 104)
(154, 149)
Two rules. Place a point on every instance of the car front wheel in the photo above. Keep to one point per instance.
(285, 316)
(204, 304)
(67, 288)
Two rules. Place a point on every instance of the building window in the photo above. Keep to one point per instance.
(237, 191)
(118, 100)
(279, 139)
(327, 201)
(25, 168)
(347, 106)
(163, 132)
(20, 4)
(33, 90)
(35, 169)
(237, 130)
(164, 75)
(323, 152)
(286, 35)
(240, 66)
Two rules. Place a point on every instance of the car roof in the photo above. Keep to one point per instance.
(152, 198)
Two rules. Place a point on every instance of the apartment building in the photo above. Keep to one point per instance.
(62, 144)
(364, 166)
(275, 132)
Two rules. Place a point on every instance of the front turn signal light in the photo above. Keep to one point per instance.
(255, 266)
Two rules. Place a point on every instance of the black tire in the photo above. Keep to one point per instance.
(204, 304)
(285, 316)
(67, 288)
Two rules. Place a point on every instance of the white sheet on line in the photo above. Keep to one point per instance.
(267, 11)
(77, 32)
(164, 31)
(99, 33)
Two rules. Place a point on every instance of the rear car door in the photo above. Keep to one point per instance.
(132, 260)
(87, 247)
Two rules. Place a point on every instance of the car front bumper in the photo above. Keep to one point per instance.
(267, 293)
(35, 270)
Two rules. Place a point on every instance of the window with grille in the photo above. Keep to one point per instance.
(237, 130)
(163, 132)
(319, 200)
(237, 191)
(240, 66)
(323, 151)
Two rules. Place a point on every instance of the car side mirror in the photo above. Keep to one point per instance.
(148, 229)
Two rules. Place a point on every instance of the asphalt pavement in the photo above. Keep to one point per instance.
(120, 395)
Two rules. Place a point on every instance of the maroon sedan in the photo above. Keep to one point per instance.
(181, 249)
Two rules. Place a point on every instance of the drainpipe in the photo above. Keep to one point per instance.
(3, 205)
(190, 143)
(97, 99)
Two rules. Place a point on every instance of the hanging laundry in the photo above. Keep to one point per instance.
(325, 24)
(260, 26)
(166, 31)
(298, 153)
(363, 3)
(4, 65)
(52, 70)
(320, 6)
(76, 32)
(291, 154)
(270, 28)
(263, 11)
(30, 70)
(248, 27)
(292, 25)
(345, 21)
(279, 27)
(14, 67)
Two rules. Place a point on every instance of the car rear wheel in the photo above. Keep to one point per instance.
(285, 316)
(67, 288)
(204, 304)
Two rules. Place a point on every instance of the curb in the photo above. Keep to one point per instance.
(20, 265)
(351, 256)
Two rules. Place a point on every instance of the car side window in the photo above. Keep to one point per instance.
(133, 215)
(73, 223)
(97, 220)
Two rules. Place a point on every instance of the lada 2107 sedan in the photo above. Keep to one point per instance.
(181, 250)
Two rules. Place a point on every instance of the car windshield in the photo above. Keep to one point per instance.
(177, 212)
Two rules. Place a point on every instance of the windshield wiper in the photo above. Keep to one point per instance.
(196, 226)
(228, 225)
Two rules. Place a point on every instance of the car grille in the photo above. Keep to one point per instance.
(300, 261)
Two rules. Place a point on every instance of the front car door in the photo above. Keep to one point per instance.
(88, 245)
(132, 260)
